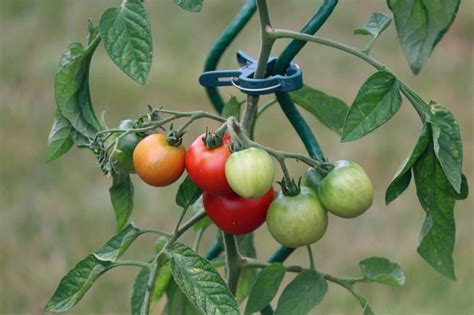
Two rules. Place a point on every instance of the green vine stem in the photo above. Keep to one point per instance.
(265, 50)
(310, 257)
(232, 261)
(236, 131)
(225, 39)
(405, 89)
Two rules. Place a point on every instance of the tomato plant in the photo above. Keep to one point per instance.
(298, 216)
(237, 215)
(206, 166)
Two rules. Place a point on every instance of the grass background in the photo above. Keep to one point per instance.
(53, 214)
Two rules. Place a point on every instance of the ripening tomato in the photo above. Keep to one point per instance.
(297, 220)
(206, 167)
(250, 172)
(347, 190)
(122, 157)
(157, 162)
(236, 215)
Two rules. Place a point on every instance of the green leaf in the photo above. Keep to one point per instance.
(60, 139)
(447, 144)
(163, 280)
(188, 193)
(420, 25)
(378, 22)
(265, 287)
(330, 110)
(377, 101)
(121, 195)
(118, 244)
(190, 5)
(80, 140)
(232, 108)
(75, 283)
(178, 303)
(464, 190)
(302, 294)
(140, 286)
(382, 270)
(204, 222)
(435, 194)
(402, 177)
(246, 246)
(127, 39)
(201, 282)
(71, 87)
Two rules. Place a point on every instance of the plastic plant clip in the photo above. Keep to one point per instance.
(243, 79)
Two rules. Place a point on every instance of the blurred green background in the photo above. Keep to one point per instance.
(53, 214)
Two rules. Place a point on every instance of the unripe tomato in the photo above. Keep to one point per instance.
(297, 220)
(122, 157)
(157, 162)
(206, 167)
(250, 172)
(236, 215)
(347, 190)
(312, 178)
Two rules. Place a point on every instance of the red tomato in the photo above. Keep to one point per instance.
(237, 215)
(206, 167)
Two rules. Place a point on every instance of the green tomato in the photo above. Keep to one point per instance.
(122, 157)
(347, 190)
(312, 178)
(297, 220)
(250, 172)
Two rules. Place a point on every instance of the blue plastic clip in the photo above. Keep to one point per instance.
(243, 78)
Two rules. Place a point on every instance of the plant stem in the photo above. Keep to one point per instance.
(409, 93)
(279, 33)
(234, 129)
(311, 257)
(134, 263)
(181, 217)
(232, 261)
(265, 50)
(156, 231)
(155, 265)
(266, 106)
(198, 216)
(199, 235)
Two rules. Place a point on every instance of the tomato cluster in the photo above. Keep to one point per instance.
(238, 187)
(236, 191)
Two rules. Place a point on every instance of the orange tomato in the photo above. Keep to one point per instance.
(157, 162)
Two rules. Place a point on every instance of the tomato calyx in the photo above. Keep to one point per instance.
(174, 137)
(213, 140)
(289, 187)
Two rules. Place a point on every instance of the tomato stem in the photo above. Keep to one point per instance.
(281, 33)
(266, 44)
(311, 257)
(235, 131)
(232, 261)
